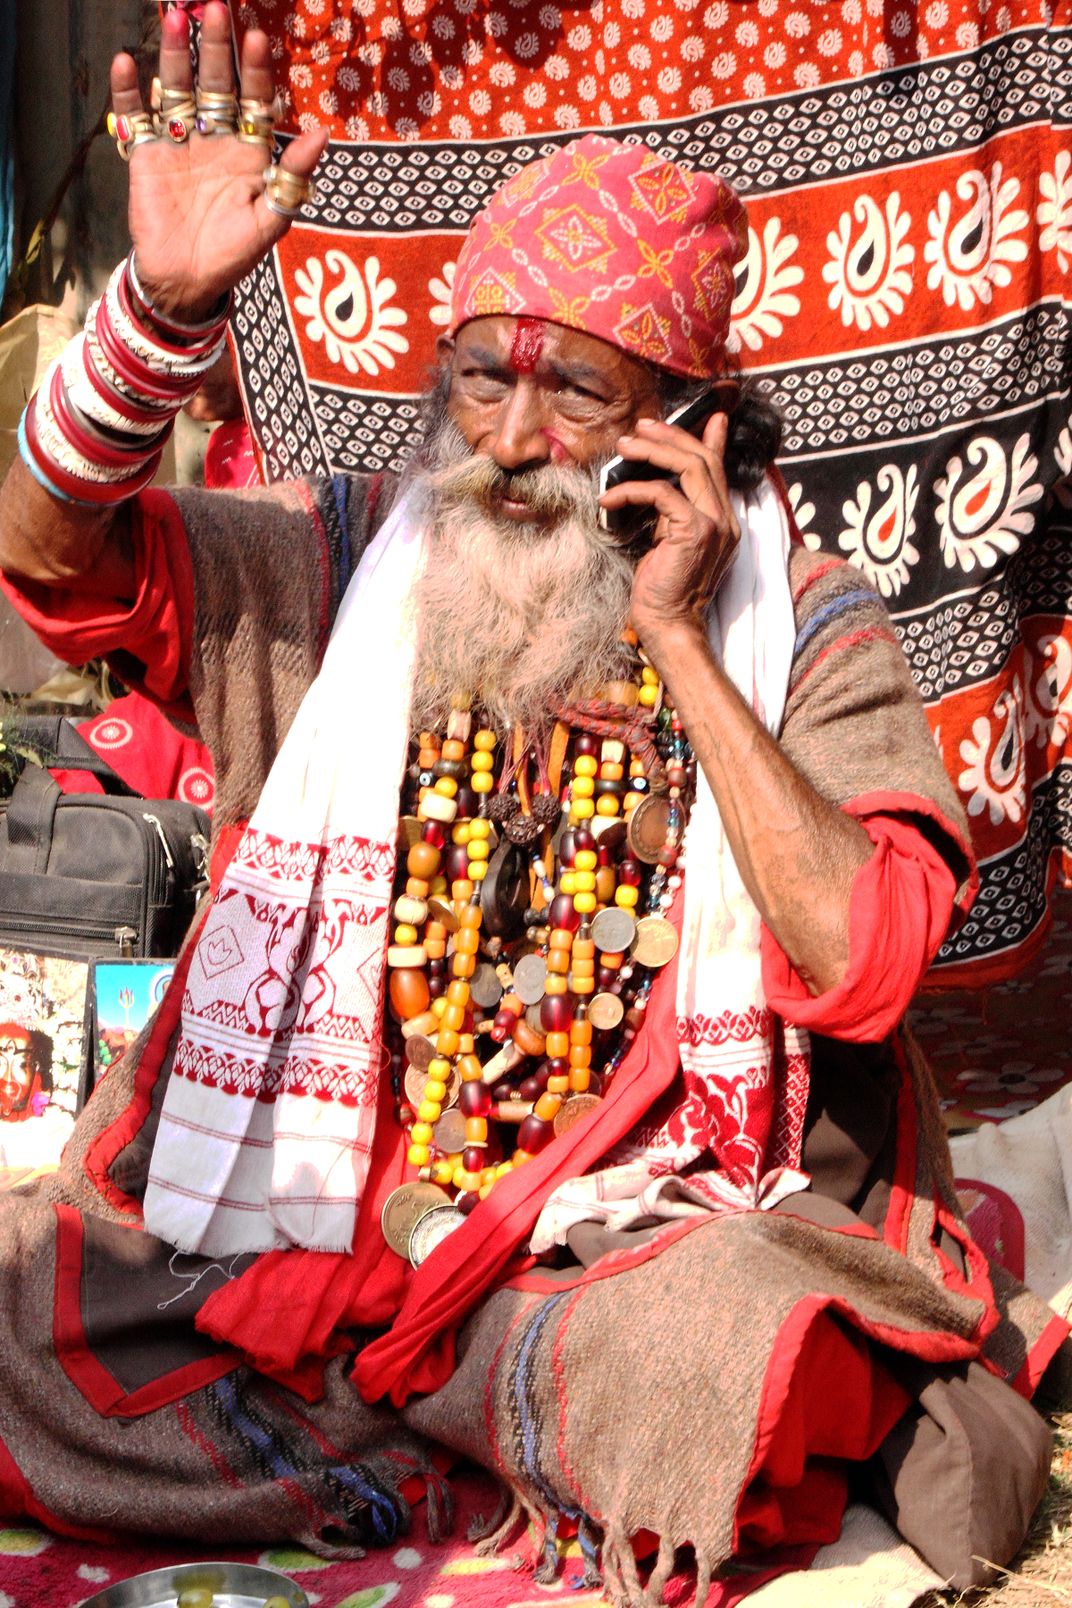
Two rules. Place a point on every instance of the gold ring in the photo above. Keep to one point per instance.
(178, 122)
(130, 129)
(285, 193)
(256, 122)
(168, 101)
(217, 111)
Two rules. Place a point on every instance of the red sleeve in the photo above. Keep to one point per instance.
(900, 911)
(148, 641)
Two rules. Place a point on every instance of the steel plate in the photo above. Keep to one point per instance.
(233, 1585)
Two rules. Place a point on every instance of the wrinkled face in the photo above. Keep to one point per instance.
(16, 1070)
(526, 393)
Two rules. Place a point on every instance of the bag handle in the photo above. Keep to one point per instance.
(29, 817)
(61, 747)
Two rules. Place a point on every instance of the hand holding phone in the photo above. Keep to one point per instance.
(628, 523)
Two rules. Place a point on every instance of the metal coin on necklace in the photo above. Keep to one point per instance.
(431, 1230)
(403, 1210)
(655, 943)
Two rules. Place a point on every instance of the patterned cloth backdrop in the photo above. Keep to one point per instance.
(908, 174)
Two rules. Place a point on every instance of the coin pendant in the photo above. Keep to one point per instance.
(420, 1051)
(613, 930)
(449, 1132)
(605, 1011)
(504, 892)
(416, 1079)
(431, 1230)
(570, 1114)
(647, 828)
(485, 989)
(530, 976)
(655, 942)
(403, 1210)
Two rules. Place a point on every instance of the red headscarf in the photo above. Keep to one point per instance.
(615, 241)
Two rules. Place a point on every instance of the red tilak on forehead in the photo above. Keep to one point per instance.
(527, 345)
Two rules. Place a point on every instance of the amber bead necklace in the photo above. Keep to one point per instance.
(530, 923)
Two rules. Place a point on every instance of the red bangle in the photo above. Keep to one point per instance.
(209, 327)
(115, 398)
(89, 444)
(199, 346)
(132, 369)
(85, 491)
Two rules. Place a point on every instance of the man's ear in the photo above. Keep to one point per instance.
(444, 348)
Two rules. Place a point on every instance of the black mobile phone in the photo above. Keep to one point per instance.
(629, 522)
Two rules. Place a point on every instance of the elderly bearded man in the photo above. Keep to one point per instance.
(675, 850)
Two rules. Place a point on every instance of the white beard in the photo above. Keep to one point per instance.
(518, 618)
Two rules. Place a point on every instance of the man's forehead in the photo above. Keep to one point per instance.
(533, 345)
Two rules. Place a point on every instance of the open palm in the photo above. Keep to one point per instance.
(198, 218)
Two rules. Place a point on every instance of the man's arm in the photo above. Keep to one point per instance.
(798, 854)
(199, 223)
(59, 544)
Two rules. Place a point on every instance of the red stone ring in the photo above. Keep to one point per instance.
(130, 129)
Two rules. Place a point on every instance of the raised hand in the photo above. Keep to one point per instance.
(696, 533)
(198, 215)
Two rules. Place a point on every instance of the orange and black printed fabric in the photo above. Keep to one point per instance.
(907, 171)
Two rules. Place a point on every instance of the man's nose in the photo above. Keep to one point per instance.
(518, 436)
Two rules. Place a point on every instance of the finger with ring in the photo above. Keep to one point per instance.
(285, 193)
(168, 101)
(129, 130)
(179, 124)
(256, 123)
(217, 112)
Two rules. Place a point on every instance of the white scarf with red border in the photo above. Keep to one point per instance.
(267, 1123)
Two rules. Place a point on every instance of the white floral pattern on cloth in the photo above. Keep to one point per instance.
(870, 262)
(879, 540)
(766, 283)
(354, 317)
(984, 502)
(1054, 212)
(643, 60)
(975, 238)
(994, 778)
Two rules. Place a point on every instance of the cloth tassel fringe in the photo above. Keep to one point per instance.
(660, 1574)
(439, 1518)
(490, 1535)
(621, 1579)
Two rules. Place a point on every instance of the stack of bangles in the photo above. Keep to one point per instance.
(93, 432)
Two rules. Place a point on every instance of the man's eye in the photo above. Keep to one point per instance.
(481, 382)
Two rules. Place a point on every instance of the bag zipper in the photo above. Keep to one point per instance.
(125, 938)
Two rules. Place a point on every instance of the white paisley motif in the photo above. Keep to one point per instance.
(355, 323)
(983, 514)
(880, 542)
(1048, 701)
(994, 778)
(441, 290)
(970, 255)
(868, 271)
(1062, 488)
(803, 514)
(1054, 215)
(763, 296)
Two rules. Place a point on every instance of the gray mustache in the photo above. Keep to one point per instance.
(553, 491)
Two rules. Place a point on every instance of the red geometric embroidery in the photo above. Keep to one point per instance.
(731, 1027)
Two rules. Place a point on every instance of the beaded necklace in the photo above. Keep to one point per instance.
(530, 921)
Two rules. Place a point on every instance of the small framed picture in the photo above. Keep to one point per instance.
(44, 1057)
(125, 995)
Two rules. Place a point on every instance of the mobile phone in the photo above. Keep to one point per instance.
(721, 398)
